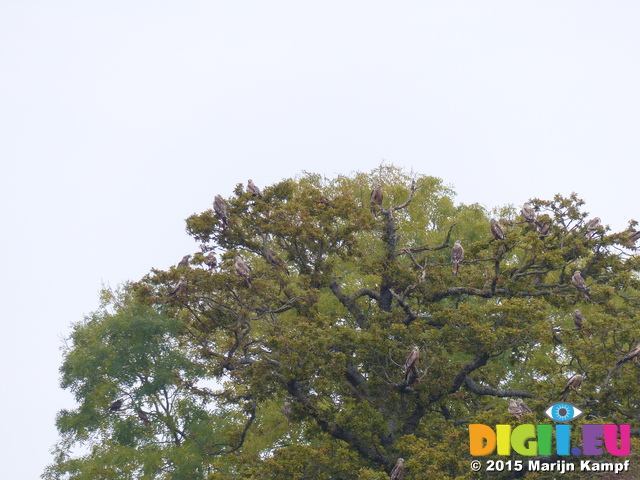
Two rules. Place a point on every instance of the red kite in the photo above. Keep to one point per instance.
(542, 229)
(211, 261)
(524, 409)
(116, 406)
(632, 355)
(457, 256)
(180, 288)
(397, 472)
(572, 384)
(253, 190)
(580, 284)
(411, 363)
(275, 260)
(220, 207)
(376, 198)
(243, 270)
(496, 230)
(592, 227)
(528, 213)
(185, 261)
(514, 409)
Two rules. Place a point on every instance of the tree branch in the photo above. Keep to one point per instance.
(496, 392)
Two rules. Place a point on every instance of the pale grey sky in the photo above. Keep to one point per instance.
(120, 119)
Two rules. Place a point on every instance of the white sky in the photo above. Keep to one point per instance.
(120, 119)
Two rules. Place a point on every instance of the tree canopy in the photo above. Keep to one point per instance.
(294, 367)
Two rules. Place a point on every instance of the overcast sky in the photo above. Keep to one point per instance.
(120, 119)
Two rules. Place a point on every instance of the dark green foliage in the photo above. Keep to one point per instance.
(328, 333)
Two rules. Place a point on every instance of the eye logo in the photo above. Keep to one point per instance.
(563, 412)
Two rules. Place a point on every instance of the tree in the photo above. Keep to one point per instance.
(298, 372)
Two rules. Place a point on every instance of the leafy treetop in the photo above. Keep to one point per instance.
(298, 372)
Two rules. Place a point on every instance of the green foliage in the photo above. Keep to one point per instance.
(299, 372)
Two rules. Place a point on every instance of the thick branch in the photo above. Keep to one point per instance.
(349, 301)
(424, 248)
(411, 424)
(496, 392)
(334, 429)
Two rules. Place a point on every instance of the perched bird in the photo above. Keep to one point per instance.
(220, 207)
(211, 261)
(243, 270)
(457, 256)
(524, 409)
(580, 284)
(634, 235)
(632, 355)
(180, 288)
(496, 230)
(578, 320)
(572, 384)
(286, 410)
(514, 409)
(276, 261)
(592, 227)
(411, 363)
(185, 261)
(397, 472)
(376, 198)
(542, 229)
(528, 213)
(143, 416)
(253, 190)
(116, 406)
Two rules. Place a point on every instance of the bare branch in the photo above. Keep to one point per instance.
(424, 248)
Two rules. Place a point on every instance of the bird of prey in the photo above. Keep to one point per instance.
(496, 230)
(253, 190)
(524, 408)
(580, 284)
(275, 260)
(592, 226)
(116, 406)
(376, 198)
(180, 288)
(457, 256)
(634, 235)
(143, 416)
(528, 213)
(185, 261)
(514, 409)
(542, 229)
(286, 410)
(411, 363)
(578, 320)
(220, 207)
(397, 472)
(632, 355)
(243, 270)
(211, 261)
(572, 384)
